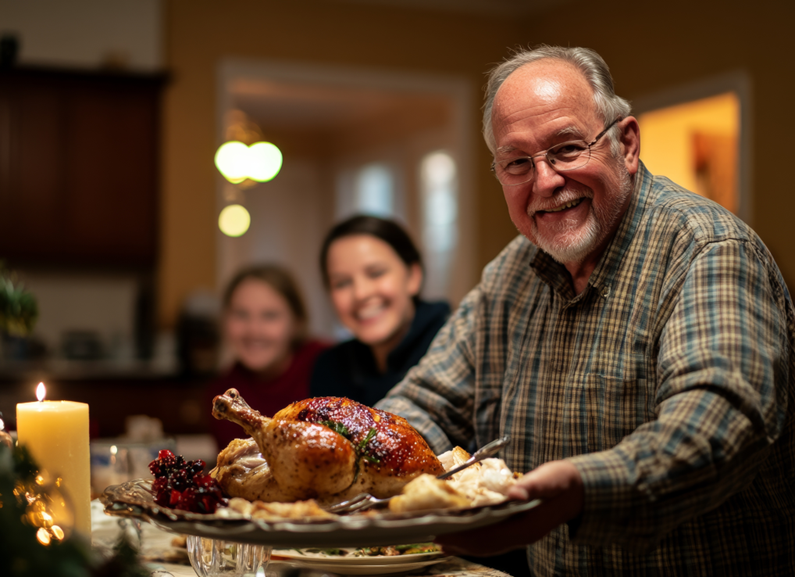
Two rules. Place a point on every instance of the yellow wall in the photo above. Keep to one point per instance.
(667, 134)
(649, 46)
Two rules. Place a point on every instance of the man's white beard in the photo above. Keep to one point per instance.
(576, 245)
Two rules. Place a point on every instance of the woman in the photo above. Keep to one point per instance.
(373, 273)
(265, 327)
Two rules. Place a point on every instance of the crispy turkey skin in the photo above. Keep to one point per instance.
(328, 448)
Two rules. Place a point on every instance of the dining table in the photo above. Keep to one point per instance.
(164, 554)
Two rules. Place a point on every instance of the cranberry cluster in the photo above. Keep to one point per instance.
(181, 484)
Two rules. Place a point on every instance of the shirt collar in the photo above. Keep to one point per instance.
(602, 276)
(557, 277)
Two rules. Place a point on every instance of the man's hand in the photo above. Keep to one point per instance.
(557, 483)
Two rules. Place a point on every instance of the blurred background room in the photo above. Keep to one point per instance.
(111, 114)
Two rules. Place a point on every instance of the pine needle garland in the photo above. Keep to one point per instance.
(21, 553)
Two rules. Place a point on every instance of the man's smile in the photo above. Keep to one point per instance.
(559, 210)
(570, 204)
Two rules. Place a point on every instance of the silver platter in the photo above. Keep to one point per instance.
(134, 499)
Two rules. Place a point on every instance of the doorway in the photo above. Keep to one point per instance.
(353, 140)
(699, 136)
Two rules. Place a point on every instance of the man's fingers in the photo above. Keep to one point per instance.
(518, 493)
(559, 486)
(547, 481)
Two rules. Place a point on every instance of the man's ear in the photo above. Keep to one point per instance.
(629, 139)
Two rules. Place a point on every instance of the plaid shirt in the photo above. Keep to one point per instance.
(668, 383)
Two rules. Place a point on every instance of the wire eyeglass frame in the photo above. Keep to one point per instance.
(551, 156)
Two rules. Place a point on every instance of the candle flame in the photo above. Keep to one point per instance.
(41, 391)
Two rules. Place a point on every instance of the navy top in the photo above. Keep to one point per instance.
(349, 369)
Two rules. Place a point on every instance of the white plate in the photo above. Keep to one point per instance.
(312, 558)
(134, 499)
(372, 565)
(360, 569)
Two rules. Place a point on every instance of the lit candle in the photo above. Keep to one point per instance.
(56, 434)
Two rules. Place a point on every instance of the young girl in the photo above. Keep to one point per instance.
(265, 327)
(373, 273)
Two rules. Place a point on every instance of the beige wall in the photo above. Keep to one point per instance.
(650, 48)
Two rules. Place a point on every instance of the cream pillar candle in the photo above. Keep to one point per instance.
(56, 434)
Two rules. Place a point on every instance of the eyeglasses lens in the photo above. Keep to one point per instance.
(562, 157)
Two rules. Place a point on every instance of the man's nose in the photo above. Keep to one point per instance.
(547, 179)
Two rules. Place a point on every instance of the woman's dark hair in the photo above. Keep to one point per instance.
(383, 229)
(280, 279)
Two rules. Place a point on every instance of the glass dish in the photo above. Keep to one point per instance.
(218, 558)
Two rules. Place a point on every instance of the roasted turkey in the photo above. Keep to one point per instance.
(326, 448)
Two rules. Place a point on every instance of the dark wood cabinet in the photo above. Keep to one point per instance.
(79, 175)
(180, 404)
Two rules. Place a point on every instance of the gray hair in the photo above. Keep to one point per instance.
(593, 68)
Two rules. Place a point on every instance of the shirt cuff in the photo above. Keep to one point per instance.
(615, 510)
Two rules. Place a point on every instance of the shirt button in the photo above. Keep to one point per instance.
(606, 292)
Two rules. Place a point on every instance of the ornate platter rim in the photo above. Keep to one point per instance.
(134, 499)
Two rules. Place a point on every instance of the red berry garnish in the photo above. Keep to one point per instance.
(182, 484)
(195, 467)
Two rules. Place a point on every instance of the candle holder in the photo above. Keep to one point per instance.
(217, 558)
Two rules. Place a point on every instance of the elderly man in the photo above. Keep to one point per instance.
(635, 342)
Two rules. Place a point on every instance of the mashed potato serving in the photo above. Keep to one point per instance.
(484, 483)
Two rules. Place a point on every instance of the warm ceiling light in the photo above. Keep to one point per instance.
(264, 161)
(261, 161)
(230, 160)
(234, 220)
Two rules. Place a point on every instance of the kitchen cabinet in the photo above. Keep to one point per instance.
(79, 178)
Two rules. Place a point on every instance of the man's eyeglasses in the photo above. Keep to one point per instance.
(565, 156)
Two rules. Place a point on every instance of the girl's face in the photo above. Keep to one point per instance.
(372, 289)
(260, 327)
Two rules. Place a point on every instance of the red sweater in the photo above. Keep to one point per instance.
(265, 395)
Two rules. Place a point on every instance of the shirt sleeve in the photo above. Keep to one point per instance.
(723, 369)
(437, 395)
